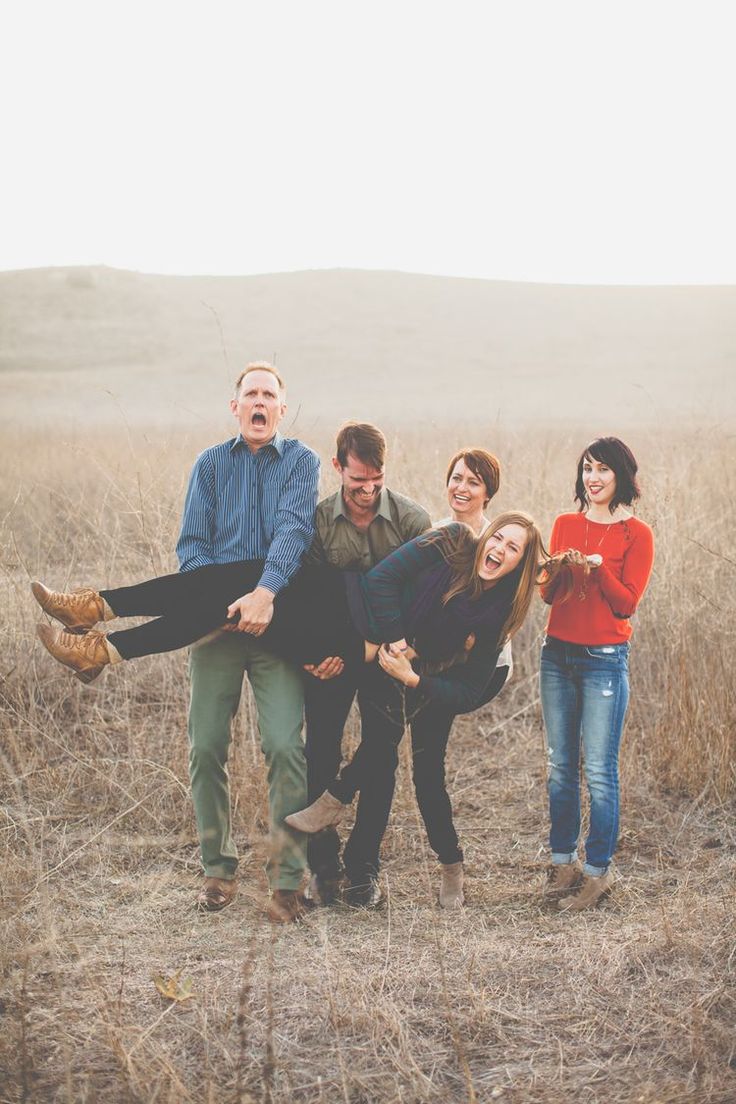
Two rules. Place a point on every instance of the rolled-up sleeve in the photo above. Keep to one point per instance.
(293, 527)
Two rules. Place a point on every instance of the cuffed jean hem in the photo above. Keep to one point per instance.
(564, 858)
(594, 871)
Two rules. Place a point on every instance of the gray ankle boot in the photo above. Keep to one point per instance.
(451, 885)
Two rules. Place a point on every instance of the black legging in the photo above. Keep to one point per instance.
(311, 619)
(430, 732)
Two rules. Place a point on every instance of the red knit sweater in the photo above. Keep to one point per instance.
(600, 605)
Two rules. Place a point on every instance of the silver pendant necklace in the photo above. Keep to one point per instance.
(595, 559)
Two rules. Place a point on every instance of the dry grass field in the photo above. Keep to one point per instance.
(507, 1000)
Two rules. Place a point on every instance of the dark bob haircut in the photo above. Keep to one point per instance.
(620, 459)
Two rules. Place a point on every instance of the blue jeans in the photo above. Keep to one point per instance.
(585, 694)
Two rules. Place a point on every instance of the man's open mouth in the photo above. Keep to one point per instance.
(258, 419)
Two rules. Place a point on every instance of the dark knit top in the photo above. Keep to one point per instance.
(402, 598)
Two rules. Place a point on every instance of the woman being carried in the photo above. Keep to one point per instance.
(439, 588)
(454, 599)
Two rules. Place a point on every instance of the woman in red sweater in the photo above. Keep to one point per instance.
(607, 553)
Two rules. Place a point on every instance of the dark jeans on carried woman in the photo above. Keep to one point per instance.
(311, 618)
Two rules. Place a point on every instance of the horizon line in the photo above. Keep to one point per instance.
(347, 269)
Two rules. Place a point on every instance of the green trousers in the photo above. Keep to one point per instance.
(217, 666)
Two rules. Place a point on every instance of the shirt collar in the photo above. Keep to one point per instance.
(277, 442)
(384, 506)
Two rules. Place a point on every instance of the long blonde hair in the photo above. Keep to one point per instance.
(463, 551)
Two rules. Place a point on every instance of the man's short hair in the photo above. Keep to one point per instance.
(258, 366)
(364, 441)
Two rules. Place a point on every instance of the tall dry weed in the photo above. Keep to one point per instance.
(99, 854)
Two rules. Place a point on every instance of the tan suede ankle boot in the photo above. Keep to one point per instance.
(451, 885)
(561, 879)
(325, 812)
(592, 891)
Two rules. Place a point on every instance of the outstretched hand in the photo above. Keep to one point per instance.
(329, 668)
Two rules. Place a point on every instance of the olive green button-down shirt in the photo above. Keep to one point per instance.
(338, 542)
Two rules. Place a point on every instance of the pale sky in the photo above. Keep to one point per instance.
(583, 142)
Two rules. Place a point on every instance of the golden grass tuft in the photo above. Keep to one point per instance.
(506, 1000)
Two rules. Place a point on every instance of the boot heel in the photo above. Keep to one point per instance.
(86, 676)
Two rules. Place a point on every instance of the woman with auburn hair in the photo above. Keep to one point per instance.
(473, 478)
(435, 612)
(603, 562)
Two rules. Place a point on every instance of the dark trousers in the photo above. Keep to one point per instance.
(372, 771)
(386, 712)
(327, 706)
(430, 732)
(185, 606)
(311, 619)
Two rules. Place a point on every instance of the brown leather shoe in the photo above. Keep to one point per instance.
(78, 611)
(451, 886)
(325, 812)
(216, 894)
(561, 878)
(287, 906)
(591, 892)
(87, 655)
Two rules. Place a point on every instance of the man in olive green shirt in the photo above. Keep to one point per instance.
(355, 528)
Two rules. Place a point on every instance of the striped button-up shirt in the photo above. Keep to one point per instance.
(244, 505)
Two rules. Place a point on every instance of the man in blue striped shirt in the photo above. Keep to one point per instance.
(252, 497)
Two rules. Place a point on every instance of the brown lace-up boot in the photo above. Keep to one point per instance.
(78, 611)
(87, 655)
